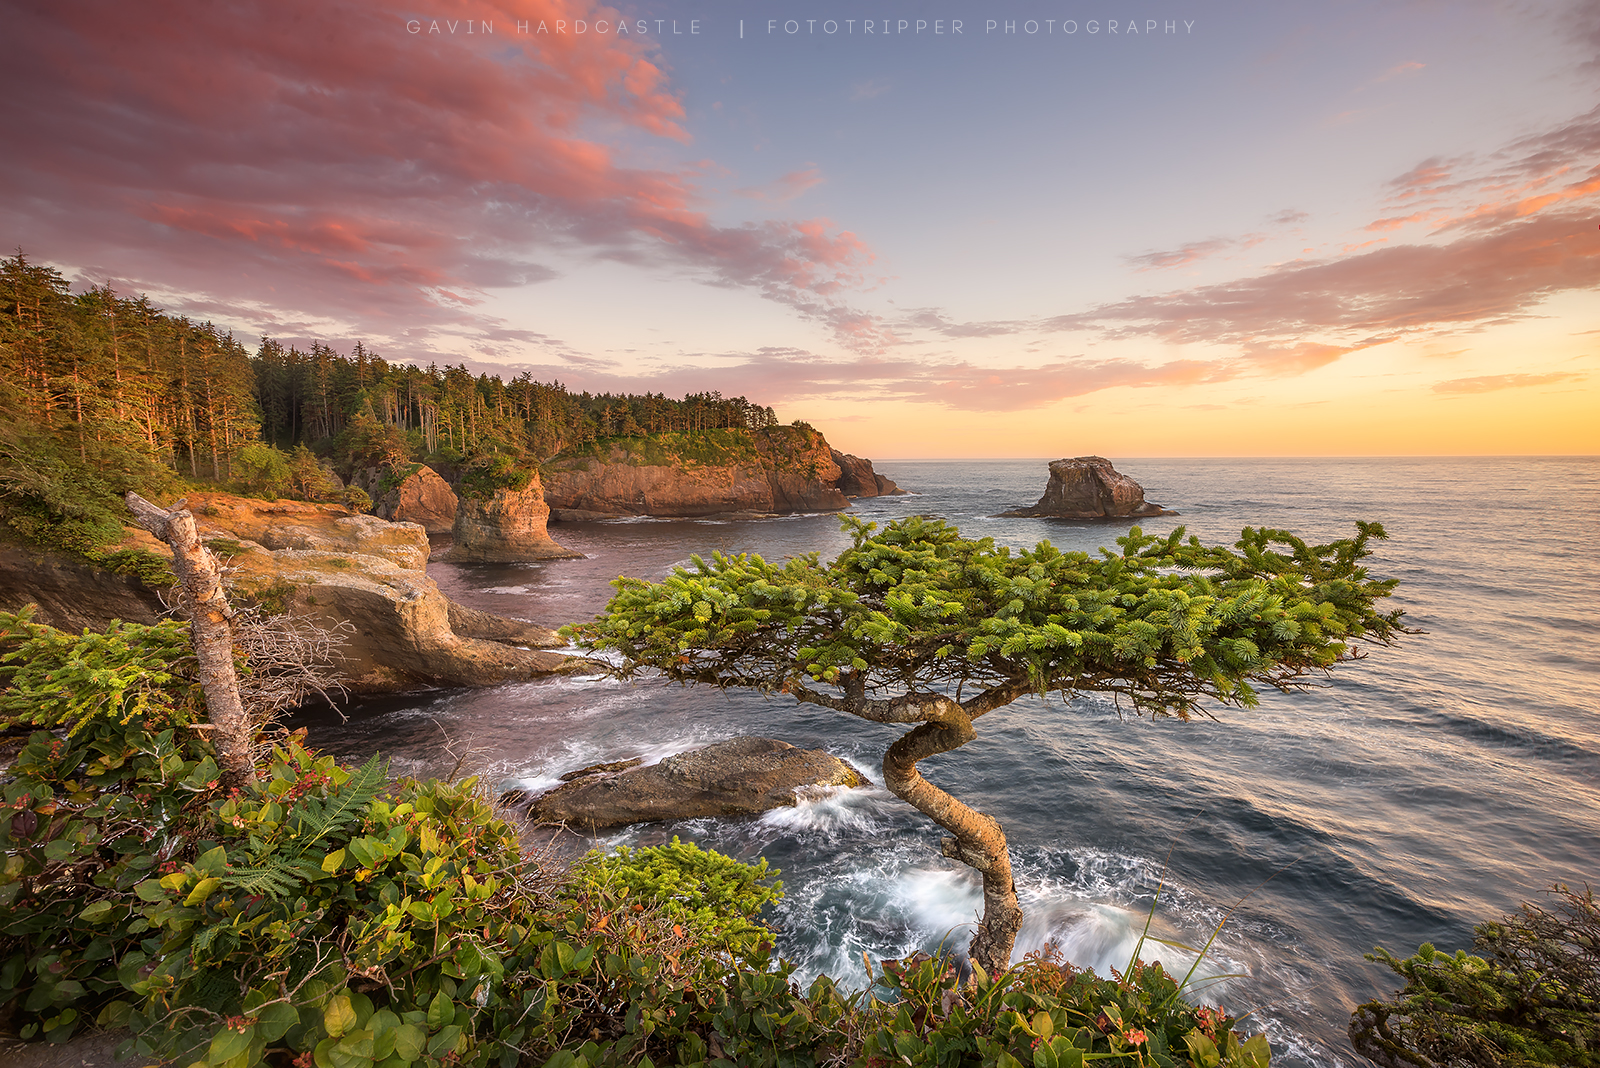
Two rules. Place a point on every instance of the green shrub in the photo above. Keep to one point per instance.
(263, 469)
(1044, 1012)
(1532, 999)
(356, 499)
(489, 474)
(327, 916)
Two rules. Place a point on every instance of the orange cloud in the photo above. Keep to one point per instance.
(1491, 383)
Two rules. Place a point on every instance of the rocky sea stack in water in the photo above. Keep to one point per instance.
(858, 479)
(500, 517)
(1088, 487)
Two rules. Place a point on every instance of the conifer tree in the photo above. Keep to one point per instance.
(917, 625)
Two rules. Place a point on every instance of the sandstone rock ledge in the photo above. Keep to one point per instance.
(1088, 487)
(739, 777)
(370, 575)
(358, 573)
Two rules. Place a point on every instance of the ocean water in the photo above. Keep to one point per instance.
(1431, 786)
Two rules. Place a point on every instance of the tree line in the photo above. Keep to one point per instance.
(107, 393)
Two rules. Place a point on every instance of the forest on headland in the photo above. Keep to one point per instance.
(106, 393)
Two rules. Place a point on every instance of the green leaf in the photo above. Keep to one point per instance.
(212, 861)
(227, 1044)
(202, 890)
(339, 1016)
(445, 1041)
(331, 862)
(274, 1021)
(1202, 1051)
(409, 1041)
(440, 1011)
(97, 912)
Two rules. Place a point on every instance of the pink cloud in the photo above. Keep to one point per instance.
(1492, 261)
(1401, 68)
(321, 152)
(784, 189)
(1193, 252)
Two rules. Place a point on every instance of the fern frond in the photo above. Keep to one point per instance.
(345, 809)
(276, 880)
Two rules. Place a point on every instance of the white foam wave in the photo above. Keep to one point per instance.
(505, 589)
(830, 810)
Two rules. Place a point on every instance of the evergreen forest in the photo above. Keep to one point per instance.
(106, 393)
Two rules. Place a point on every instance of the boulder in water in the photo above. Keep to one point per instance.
(739, 777)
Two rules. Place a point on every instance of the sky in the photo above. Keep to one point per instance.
(999, 229)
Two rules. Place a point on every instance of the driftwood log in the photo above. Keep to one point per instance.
(211, 634)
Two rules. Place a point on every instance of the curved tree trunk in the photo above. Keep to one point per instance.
(979, 842)
(211, 634)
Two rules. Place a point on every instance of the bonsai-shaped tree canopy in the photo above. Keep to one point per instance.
(919, 625)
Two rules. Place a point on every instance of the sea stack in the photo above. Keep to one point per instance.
(1088, 487)
(858, 479)
(504, 526)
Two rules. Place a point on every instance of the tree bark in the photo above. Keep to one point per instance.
(211, 634)
(979, 841)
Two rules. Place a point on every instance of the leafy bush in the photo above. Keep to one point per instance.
(1044, 1012)
(356, 499)
(326, 916)
(1532, 999)
(263, 469)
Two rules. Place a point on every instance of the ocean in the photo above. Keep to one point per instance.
(1431, 786)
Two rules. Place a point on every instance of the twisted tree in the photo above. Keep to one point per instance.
(918, 625)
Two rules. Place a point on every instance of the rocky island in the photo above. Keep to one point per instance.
(1088, 487)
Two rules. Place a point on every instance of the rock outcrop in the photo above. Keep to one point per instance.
(421, 497)
(360, 574)
(507, 527)
(739, 777)
(73, 594)
(1087, 487)
(858, 479)
(782, 469)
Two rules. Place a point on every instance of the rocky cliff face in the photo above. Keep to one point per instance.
(777, 470)
(359, 573)
(504, 528)
(422, 497)
(858, 479)
(1087, 487)
(72, 593)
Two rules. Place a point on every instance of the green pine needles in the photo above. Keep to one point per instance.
(1166, 623)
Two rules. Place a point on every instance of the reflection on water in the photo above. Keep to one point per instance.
(1433, 786)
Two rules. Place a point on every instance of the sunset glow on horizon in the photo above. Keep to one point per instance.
(1225, 229)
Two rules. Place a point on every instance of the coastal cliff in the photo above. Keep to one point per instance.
(858, 479)
(358, 573)
(780, 469)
